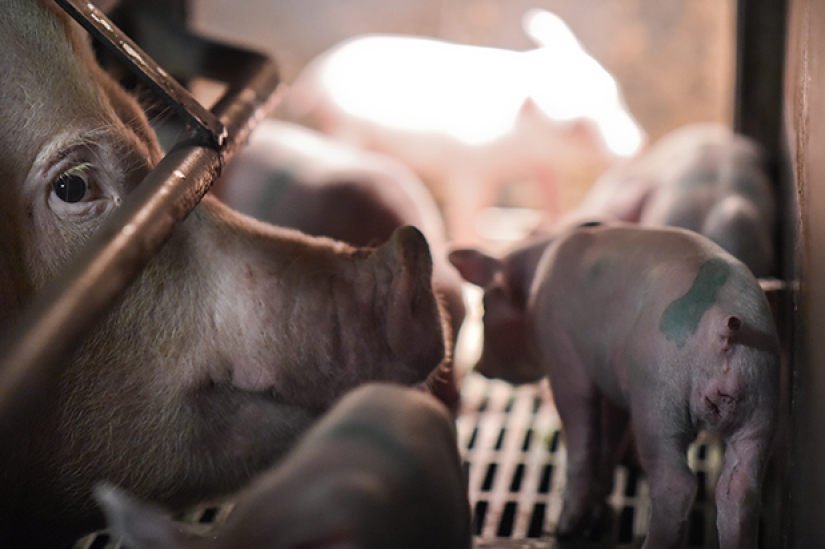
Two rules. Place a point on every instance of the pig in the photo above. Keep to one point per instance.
(703, 177)
(471, 120)
(292, 176)
(235, 338)
(658, 325)
(381, 470)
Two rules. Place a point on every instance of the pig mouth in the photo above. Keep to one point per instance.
(513, 371)
(255, 385)
(249, 423)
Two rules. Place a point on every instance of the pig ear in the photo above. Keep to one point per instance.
(412, 334)
(136, 524)
(549, 30)
(475, 266)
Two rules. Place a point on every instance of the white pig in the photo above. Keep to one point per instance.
(661, 323)
(702, 177)
(292, 176)
(381, 470)
(470, 119)
(233, 340)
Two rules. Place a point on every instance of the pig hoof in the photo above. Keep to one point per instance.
(442, 384)
(591, 527)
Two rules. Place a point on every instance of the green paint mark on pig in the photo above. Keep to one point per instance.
(681, 318)
(599, 269)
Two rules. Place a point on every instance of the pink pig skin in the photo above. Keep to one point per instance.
(381, 470)
(660, 323)
(292, 176)
(701, 177)
(553, 117)
(234, 339)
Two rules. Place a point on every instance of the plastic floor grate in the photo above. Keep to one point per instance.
(515, 461)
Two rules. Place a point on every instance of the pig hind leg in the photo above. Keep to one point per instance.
(662, 447)
(580, 411)
(614, 426)
(738, 490)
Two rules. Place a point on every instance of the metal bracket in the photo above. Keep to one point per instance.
(158, 80)
(33, 351)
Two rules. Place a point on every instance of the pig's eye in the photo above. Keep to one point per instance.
(72, 185)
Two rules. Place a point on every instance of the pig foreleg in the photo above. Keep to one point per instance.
(580, 414)
(590, 477)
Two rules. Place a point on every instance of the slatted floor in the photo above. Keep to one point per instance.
(515, 461)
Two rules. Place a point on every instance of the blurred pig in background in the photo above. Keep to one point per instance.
(292, 176)
(474, 122)
(380, 471)
(702, 177)
(232, 341)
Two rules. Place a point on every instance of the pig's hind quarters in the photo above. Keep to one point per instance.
(741, 404)
(740, 392)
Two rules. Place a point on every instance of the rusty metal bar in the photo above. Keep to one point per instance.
(62, 314)
(157, 79)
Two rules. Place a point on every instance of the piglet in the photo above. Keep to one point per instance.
(703, 177)
(472, 120)
(660, 323)
(380, 470)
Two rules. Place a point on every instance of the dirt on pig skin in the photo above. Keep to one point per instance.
(236, 337)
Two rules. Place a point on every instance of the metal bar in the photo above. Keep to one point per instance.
(62, 314)
(157, 79)
(760, 53)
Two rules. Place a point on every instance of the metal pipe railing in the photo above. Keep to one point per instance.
(49, 331)
(153, 76)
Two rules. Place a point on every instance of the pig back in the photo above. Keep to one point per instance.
(295, 177)
(601, 294)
